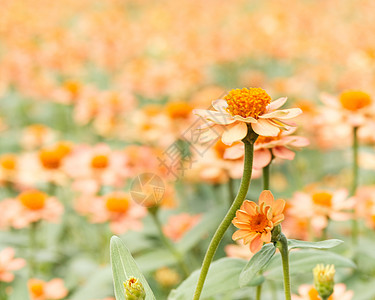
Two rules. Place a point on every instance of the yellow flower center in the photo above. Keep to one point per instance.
(99, 162)
(117, 204)
(73, 87)
(354, 100)
(322, 198)
(247, 102)
(36, 287)
(33, 199)
(52, 158)
(258, 223)
(179, 110)
(8, 162)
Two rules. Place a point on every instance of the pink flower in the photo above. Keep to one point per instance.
(51, 290)
(116, 208)
(253, 106)
(308, 292)
(321, 206)
(29, 207)
(266, 147)
(179, 224)
(8, 263)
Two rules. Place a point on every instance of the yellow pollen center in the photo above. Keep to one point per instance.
(33, 199)
(355, 100)
(322, 199)
(99, 162)
(73, 87)
(258, 223)
(117, 204)
(8, 162)
(179, 110)
(247, 102)
(36, 288)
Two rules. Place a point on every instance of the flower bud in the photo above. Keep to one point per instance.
(134, 289)
(324, 280)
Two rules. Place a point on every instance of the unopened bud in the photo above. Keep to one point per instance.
(324, 280)
(134, 289)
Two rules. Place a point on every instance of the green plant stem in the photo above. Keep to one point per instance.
(3, 293)
(282, 245)
(266, 186)
(168, 243)
(225, 223)
(266, 177)
(231, 190)
(355, 228)
(33, 248)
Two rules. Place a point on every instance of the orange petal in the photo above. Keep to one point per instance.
(250, 207)
(242, 216)
(256, 244)
(266, 197)
(278, 219)
(239, 234)
(278, 206)
(266, 236)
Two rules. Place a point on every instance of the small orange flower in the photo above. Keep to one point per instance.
(33, 199)
(255, 222)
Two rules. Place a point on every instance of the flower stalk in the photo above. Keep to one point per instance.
(154, 214)
(249, 141)
(355, 182)
(282, 245)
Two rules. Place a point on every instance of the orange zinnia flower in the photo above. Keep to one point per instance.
(255, 222)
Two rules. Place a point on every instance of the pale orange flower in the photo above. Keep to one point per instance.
(117, 208)
(8, 264)
(238, 250)
(178, 225)
(355, 107)
(308, 292)
(240, 107)
(255, 222)
(36, 136)
(51, 290)
(29, 207)
(321, 206)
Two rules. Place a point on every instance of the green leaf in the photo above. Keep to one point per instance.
(222, 277)
(256, 264)
(155, 259)
(123, 267)
(302, 261)
(327, 244)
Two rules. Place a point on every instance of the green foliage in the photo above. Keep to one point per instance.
(123, 267)
(256, 264)
(327, 244)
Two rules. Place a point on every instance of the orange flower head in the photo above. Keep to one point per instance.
(247, 102)
(220, 149)
(36, 287)
(255, 222)
(266, 139)
(322, 199)
(33, 199)
(354, 100)
(73, 87)
(100, 161)
(117, 203)
(50, 159)
(179, 110)
(8, 162)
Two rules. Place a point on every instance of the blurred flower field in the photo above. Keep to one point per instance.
(142, 119)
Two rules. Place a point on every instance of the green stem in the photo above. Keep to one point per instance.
(3, 293)
(282, 244)
(153, 212)
(33, 248)
(266, 186)
(266, 177)
(258, 292)
(355, 228)
(231, 190)
(225, 223)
